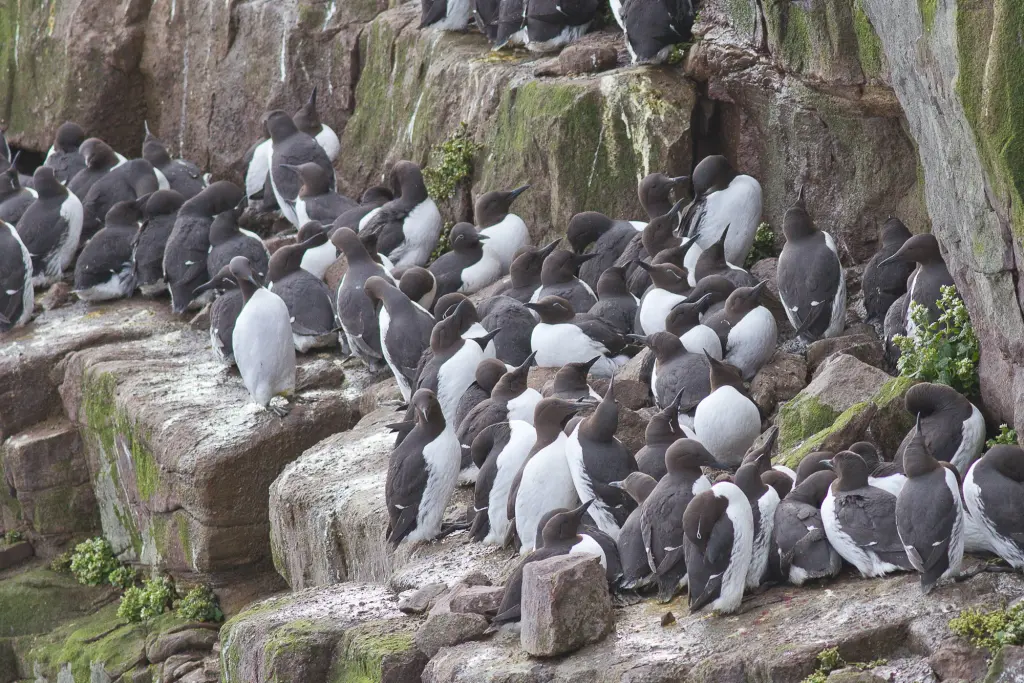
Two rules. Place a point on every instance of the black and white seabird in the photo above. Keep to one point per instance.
(468, 267)
(636, 571)
(127, 182)
(515, 323)
(356, 312)
(14, 199)
(511, 24)
(159, 216)
(64, 156)
(678, 376)
(718, 539)
(712, 262)
(371, 200)
(405, 329)
(524, 273)
(593, 542)
(615, 305)
(671, 286)
(655, 194)
(407, 227)
(563, 337)
(292, 147)
(318, 259)
(994, 495)
(189, 242)
(105, 270)
(310, 309)
(746, 330)
(262, 340)
(499, 451)
(558, 278)
(510, 399)
(485, 14)
(662, 431)
(778, 480)
(51, 228)
(661, 513)
(488, 372)
(419, 285)
(317, 200)
(860, 520)
(506, 232)
(650, 37)
(596, 459)
(16, 290)
(422, 474)
(223, 312)
(727, 422)
(100, 159)
(570, 383)
(446, 15)
(179, 175)
(953, 428)
(307, 119)
(658, 235)
(560, 536)
(930, 514)
(228, 240)
(545, 481)
(723, 198)
(812, 285)
(609, 239)
(803, 550)
(553, 24)
(469, 321)
(925, 284)
(684, 321)
(763, 500)
(884, 284)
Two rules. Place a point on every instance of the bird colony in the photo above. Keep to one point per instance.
(549, 475)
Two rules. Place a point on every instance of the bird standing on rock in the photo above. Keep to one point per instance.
(506, 232)
(884, 284)
(563, 337)
(223, 312)
(718, 543)
(723, 198)
(468, 267)
(952, 427)
(498, 452)
(292, 147)
(409, 226)
(746, 329)
(404, 330)
(800, 542)
(727, 422)
(994, 495)
(16, 290)
(558, 278)
(104, 270)
(51, 228)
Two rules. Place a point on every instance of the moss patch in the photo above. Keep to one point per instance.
(928, 9)
(359, 654)
(802, 417)
(869, 47)
(990, 85)
(39, 600)
(814, 442)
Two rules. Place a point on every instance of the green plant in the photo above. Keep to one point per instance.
(1006, 437)
(830, 660)
(200, 604)
(454, 163)
(152, 599)
(677, 53)
(444, 243)
(945, 351)
(123, 578)
(62, 563)
(12, 537)
(990, 630)
(92, 561)
(764, 245)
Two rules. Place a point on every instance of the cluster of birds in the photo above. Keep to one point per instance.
(548, 472)
(652, 28)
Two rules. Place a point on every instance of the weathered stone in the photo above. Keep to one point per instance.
(1007, 666)
(483, 600)
(854, 676)
(56, 296)
(864, 348)
(164, 435)
(47, 456)
(421, 599)
(565, 605)
(838, 385)
(178, 665)
(448, 629)
(14, 554)
(957, 659)
(780, 379)
(587, 56)
(164, 645)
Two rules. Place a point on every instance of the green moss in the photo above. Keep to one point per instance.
(38, 600)
(990, 83)
(869, 47)
(928, 9)
(793, 34)
(451, 164)
(742, 15)
(802, 417)
(358, 657)
(990, 630)
(184, 536)
(893, 390)
(813, 443)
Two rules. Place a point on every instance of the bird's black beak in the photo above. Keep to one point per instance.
(516, 192)
(829, 464)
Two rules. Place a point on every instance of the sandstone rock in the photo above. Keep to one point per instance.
(632, 384)
(56, 296)
(476, 578)
(483, 600)
(450, 628)
(164, 645)
(1007, 666)
(854, 676)
(780, 379)
(565, 605)
(581, 58)
(541, 378)
(177, 666)
(421, 599)
(957, 659)
(864, 348)
(14, 554)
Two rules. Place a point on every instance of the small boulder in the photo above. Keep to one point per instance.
(56, 296)
(565, 605)
(1007, 666)
(579, 59)
(863, 347)
(780, 379)
(165, 645)
(957, 659)
(477, 600)
(15, 554)
(421, 599)
(448, 629)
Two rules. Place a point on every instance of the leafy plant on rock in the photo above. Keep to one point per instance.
(62, 563)
(148, 601)
(200, 604)
(764, 245)
(123, 578)
(830, 660)
(12, 537)
(93, 561)
(945, 351)
(1005, 437)
(453, 165)
(991, 630)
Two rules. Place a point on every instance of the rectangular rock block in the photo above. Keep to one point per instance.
(565, 605)
(45, 456)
